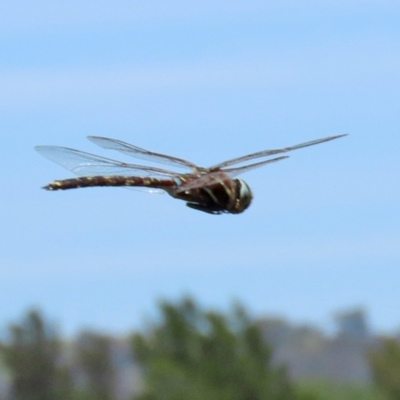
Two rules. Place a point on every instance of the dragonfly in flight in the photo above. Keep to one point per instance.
(214, 190)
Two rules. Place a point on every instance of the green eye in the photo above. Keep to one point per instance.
(244, 196)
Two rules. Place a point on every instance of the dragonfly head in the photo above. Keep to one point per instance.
(243, 196)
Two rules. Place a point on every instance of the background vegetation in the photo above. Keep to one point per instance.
(186, 353)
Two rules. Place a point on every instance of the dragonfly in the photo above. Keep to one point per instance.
(214, 190)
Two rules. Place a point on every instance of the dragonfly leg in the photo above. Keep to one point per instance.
(204, 208)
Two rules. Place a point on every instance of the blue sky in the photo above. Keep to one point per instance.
(205, 81)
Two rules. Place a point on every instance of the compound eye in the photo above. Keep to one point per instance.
(245, 195)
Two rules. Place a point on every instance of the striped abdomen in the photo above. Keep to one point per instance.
(91, 181)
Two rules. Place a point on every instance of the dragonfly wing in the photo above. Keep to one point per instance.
(146, 190)
(266, 153)
(138, 152)
(202, 181)
(232, 172)
(221, 175)
(86, 164)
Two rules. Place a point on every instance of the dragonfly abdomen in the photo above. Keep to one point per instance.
(93, 181)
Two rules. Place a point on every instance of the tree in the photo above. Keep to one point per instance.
(94, 358)
(199, 355)
(31, 356)
(385, 365)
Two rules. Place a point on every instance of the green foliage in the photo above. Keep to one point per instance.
(198, 355)
(31, 356)
(385, 365)
(94, 358)
(325, 390)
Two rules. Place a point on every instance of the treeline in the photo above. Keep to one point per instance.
(36, 361)
(187, 353)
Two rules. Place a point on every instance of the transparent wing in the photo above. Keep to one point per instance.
(218, 176)
(146, 190)
(266, 153)
(137, 152)
(86, 164)
(232, 172)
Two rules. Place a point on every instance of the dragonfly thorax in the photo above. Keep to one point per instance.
(225, 196)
